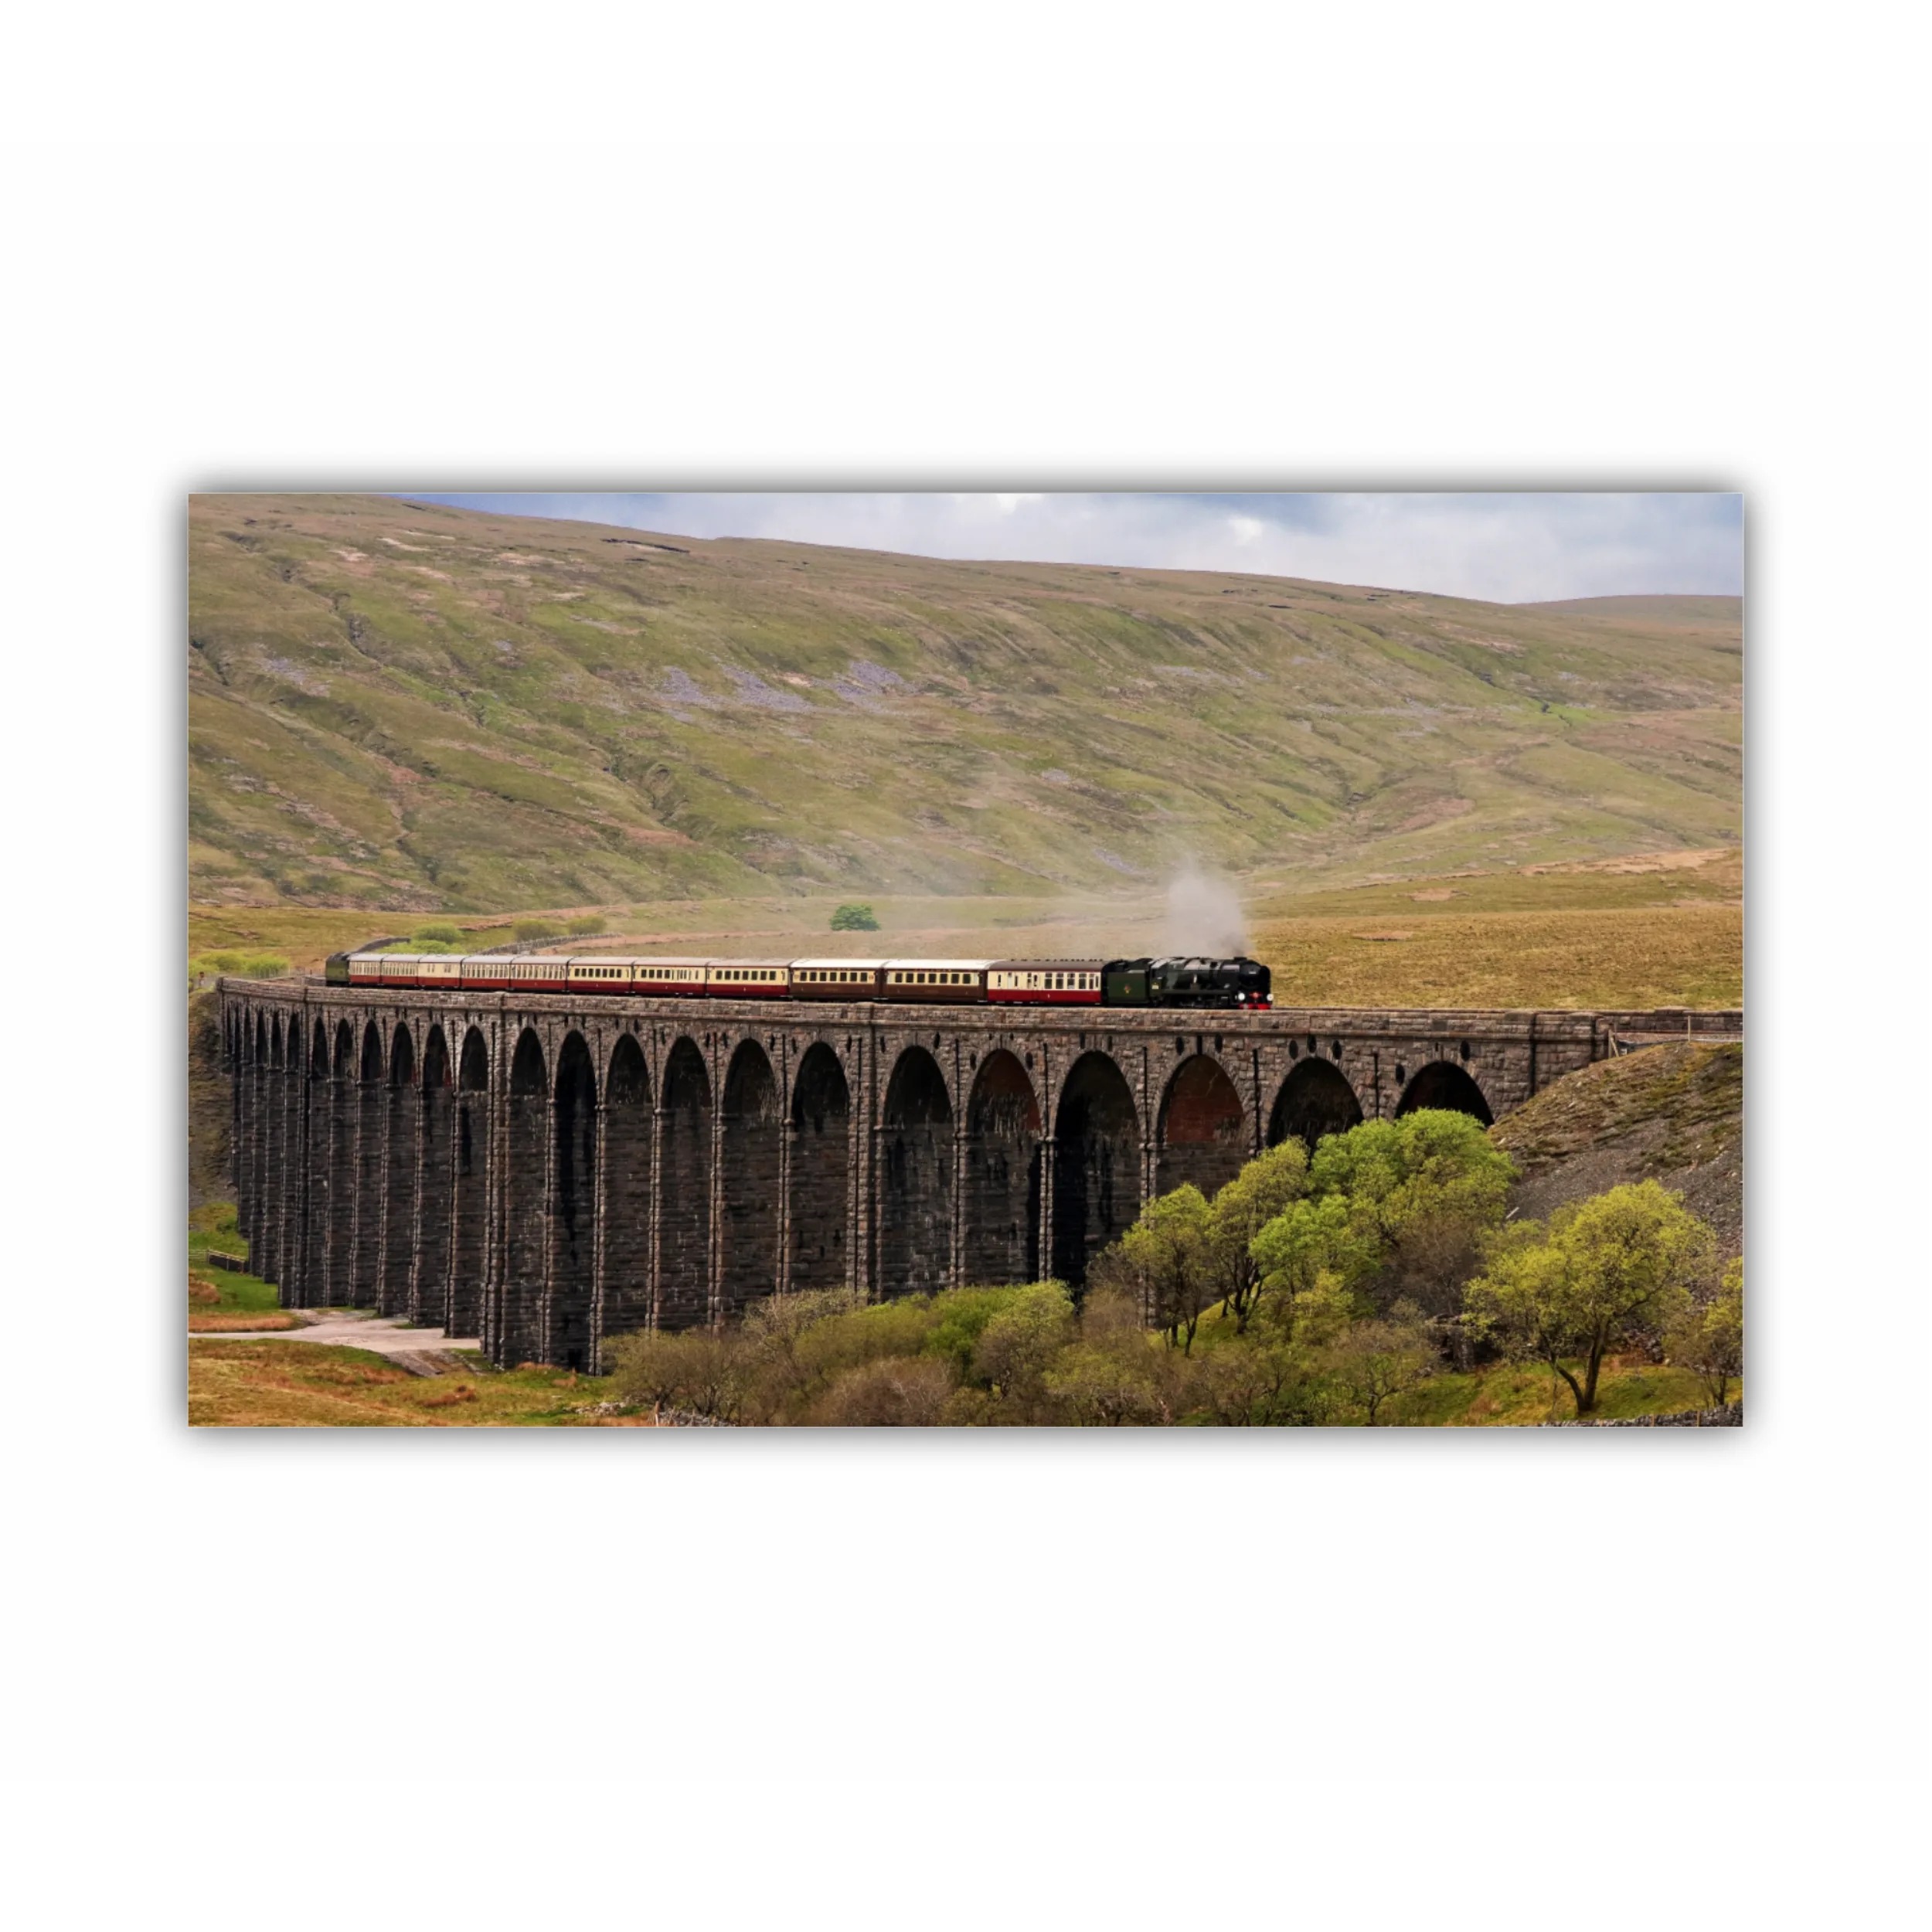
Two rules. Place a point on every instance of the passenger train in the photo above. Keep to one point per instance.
(1241, 984)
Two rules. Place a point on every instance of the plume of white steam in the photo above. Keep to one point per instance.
(1203, 916)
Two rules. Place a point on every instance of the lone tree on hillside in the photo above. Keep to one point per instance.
(854, 917)
(1603, 1274)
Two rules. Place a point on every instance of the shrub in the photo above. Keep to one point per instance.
(446, 933)
(1017, 1346)
(700, 1370)
(1373, 1362)
(240, 965)
(1708, 1337)
(896, 1391)
(855, 918)
(1117, 1377)
(589, 923)
(960, 1316)
(538, 928)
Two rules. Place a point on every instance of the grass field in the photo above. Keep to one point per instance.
(258, 1384)
(1667, 930)
(269, 1384)
(221, 1298)
(1671, 956)
(1514, 1394)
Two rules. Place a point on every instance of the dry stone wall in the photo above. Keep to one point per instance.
(548, 1171)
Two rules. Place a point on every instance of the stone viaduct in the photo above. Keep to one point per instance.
(549, 1171)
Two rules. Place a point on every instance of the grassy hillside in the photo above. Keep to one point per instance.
(401, 706)
(1673, 1114)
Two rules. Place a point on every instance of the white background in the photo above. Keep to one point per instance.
(1590, 1677)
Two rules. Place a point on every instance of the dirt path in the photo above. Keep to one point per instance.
(427, 1350)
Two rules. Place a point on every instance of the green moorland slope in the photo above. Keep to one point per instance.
(401, 706)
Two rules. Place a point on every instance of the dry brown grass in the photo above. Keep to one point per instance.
(1637, 957)
(1656, 929)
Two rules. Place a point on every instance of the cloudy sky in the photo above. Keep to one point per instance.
(1504, 546)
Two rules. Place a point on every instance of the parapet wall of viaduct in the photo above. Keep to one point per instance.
(549, 1172)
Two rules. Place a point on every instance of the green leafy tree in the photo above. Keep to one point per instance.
(1308, 1242)
(1423, 1193)
(1165, 1252)
(1604, 1274)
(589, 923)
(960, 1317)
(1262, 1190)
(1017, 1346)
(854, 917)
(1709, 1337)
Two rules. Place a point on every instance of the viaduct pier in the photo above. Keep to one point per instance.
(550, 1171)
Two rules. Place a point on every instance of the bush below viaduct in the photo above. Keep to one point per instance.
(549, 1171)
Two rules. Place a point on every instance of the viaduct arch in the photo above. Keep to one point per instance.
(550, 1172)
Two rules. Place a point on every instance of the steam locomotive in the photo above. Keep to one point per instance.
(1242, 985)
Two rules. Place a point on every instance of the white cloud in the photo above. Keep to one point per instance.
(1503, 547)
